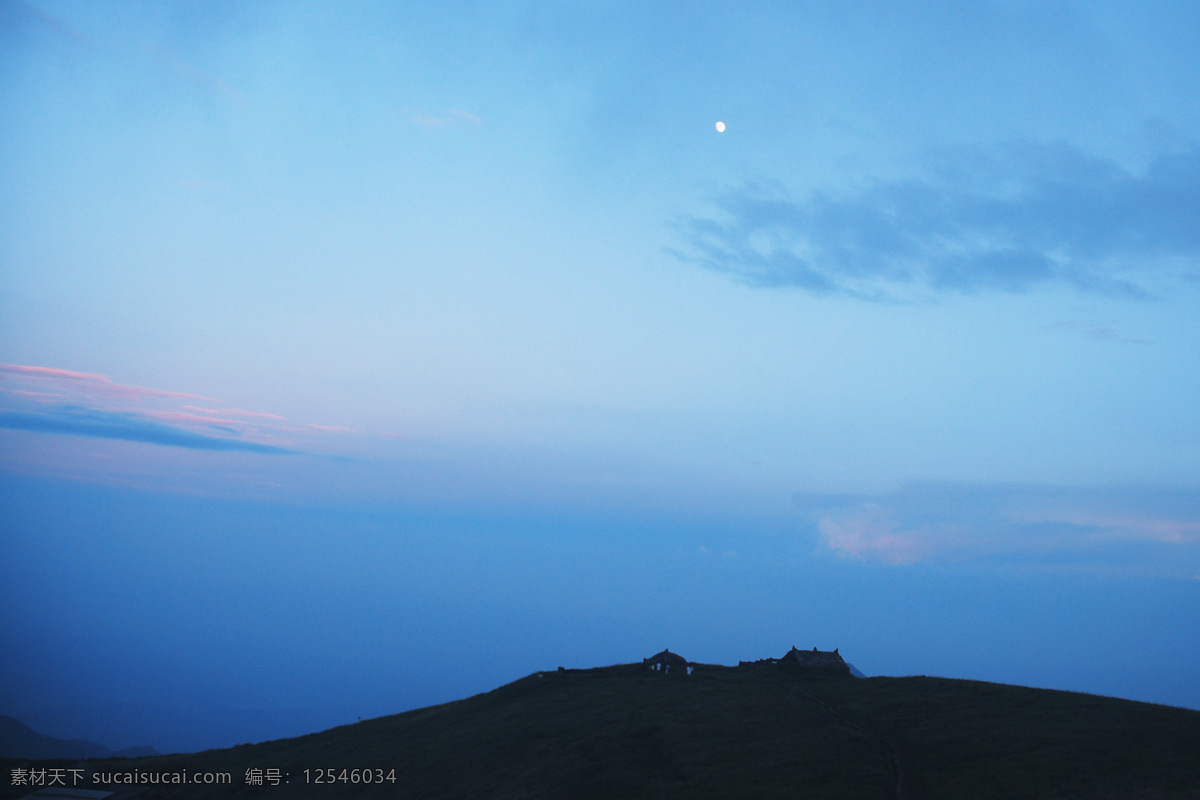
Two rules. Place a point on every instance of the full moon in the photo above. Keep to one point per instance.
(720, 127)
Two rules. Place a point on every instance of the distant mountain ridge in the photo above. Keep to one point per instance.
(18, 740)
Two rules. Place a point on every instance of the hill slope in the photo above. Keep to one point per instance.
(737, 732)
(18, 740)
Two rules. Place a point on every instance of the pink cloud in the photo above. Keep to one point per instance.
(331, 428)
(61, 401)
(91, 382)
(1124, 526)
(238, 412)
(53, 372)
(41, 397)
(867, 533)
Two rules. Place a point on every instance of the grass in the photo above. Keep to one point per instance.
(729, 733)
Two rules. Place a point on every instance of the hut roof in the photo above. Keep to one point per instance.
(666, 657)
(821, 659)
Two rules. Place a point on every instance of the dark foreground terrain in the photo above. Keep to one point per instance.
(723, 732)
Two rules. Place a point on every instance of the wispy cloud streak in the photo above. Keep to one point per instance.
(59, 401)
(1118, 529)
(127, 427)
(1012, 220)
(331, 428)
(237, 412)
(90, 382)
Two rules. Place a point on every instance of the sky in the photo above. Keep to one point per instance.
(359, 358)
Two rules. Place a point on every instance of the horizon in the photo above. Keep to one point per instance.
(357, 360)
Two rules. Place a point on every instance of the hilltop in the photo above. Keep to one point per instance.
(759, 730)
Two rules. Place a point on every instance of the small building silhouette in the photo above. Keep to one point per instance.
(825, 661)
(810, 662)
(667, 662)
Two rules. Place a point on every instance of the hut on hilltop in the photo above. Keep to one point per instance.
(827, 662)
(667, 662)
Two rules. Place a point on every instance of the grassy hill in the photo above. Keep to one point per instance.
(726, 732)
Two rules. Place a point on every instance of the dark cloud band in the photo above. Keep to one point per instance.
(127, 427)
(1012, 220)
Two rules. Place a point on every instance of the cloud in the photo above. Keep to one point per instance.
(1120, 529)
(201, 79)
(88, 383)
(1130, 524)
(25, 13)
(125, 46)
(126, 426)
(1014, 220)
(1099, 331)
(53, 400)
(42, 397)
(867, 531)
(465, 116)
(237, 412)
(331, 428)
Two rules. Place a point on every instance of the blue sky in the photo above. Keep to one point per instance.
(377, 337)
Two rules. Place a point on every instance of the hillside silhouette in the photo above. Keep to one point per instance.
(18, 740)
(764, 729)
